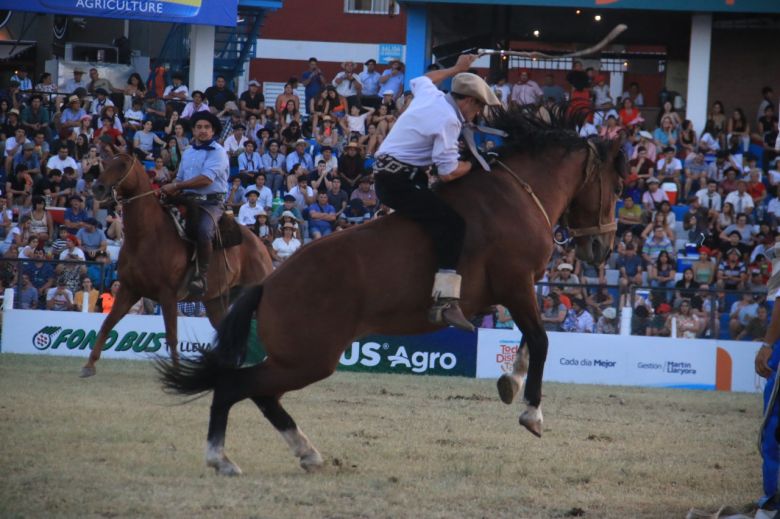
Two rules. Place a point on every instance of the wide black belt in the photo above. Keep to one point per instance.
(213, 197)
(389, 164)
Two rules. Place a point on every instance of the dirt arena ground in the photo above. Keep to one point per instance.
(395, 446)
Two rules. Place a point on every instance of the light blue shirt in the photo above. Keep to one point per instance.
(370, 82)
(69, 115)
(251, 162)
(306, 161)
(270, 162)
(213, 164)
(395, 83)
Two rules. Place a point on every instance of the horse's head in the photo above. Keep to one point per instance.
(120, 174)
(592, 212)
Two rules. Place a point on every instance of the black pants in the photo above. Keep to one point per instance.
(415, 201)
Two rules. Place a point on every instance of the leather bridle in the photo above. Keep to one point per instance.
(592, 168)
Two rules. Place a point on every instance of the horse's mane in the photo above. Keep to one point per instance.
(535, 130)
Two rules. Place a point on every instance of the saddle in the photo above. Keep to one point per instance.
(185, 214)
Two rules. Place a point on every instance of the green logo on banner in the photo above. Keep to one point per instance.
(391, 356)
(55, 337)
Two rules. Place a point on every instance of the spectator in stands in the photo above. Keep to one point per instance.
(369, 78)
(553, 312)
(655, 244)
(669, 167)
(366, 194)
(91, 238)
(59, 298)
(578, 319)
(87, 294)
(288, 94)
(284, 246)
(393, 79)
(218, 95)
(106, 299)
(746, 231)
(36, 117)
(29, 159)
(687, 324)
(177, 91)
(634, 94)
(686, 287)
(303, 193)
(300, 156)
(274, 167)
(78, 81)
(252, 102)
(629, 113)
(250, 164)
(351, 167)
(661, 274)
(552, 93)
(564, 274)
(732, 274)
(146, 139)
(98, 83)
(741, 313)
(755, 188)
(337, 197)
(652, 198)
(322, 215)
(756, 328)
(102, 101)
(247, 214)
(608, 322)
(348, 85)
(331, 162)
(740, 199)
(14, 145)
(197, 104)
(738, 129)
(354, 124)
(235, 194)
(265, 195)
(27, 297)
(313, 81)
(696, 169)
(108, 130)
(75, 215)
(160, 175)
(526, 91)
(234, 144)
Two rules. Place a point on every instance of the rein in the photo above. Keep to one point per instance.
(590, 169)
(115, 187)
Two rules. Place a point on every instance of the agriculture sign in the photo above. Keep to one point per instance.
(201, 12)
(447, 352)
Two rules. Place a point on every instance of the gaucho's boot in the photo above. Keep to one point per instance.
(445, 309)
(197, 286)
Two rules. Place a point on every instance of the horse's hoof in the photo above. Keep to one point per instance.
(507, 388)
(229, 469)
(87, 371)
(312, 462)
(531, 419)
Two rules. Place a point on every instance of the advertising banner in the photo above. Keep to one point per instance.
(447, 352)
(73, 334)
(198, 12)
(607, 359)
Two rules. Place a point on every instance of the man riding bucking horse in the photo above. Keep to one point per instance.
(427, 134)
(203, 179)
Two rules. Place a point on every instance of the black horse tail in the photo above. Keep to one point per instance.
(204, 372)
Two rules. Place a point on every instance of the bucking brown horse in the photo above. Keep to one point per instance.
(375, 279)
(154, 260)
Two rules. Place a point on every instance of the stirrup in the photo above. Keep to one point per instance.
(447, 311)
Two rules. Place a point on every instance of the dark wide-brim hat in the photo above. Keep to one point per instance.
(205, 115)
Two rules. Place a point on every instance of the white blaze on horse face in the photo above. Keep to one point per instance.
(303, 449)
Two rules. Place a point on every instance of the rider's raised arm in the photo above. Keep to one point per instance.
(462, 65)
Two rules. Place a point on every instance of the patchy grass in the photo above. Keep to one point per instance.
(394, 445)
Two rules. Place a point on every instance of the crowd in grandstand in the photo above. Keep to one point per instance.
(301, 169)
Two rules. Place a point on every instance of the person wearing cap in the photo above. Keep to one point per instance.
(77, 81)
(72, 251)
(299, 155)
(348, 84)
(313, 81)
(288, 205)
(252, 101)
(607, 323)
(564, 274)
(351, 166)
(202, 178)
(247, 214)
(331, 162)
(526, 91)
(393, 78)
(250, 163)
(31, 161)
(388, 100)
(366, 194)
(369, 78)
(100, 102)
(284, 246)
(91, 238)
(652, 198)
(427, 134)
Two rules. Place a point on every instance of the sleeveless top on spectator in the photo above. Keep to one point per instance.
(38, 226)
